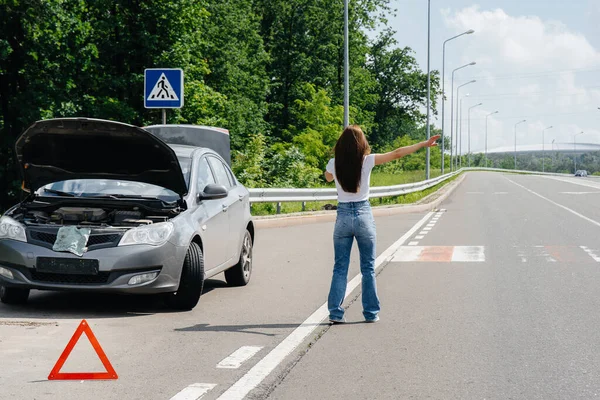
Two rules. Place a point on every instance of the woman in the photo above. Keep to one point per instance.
(351, 170)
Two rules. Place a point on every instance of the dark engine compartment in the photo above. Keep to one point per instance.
(91, 216)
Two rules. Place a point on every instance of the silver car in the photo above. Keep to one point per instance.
(111, 207)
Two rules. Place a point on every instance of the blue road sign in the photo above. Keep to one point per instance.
(163, 88)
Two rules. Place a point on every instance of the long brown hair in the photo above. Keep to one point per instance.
(350, 150)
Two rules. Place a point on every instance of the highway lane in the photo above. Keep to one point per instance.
(158, 353)
(495, 300)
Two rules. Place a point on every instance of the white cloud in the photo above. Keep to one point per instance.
(527, 68)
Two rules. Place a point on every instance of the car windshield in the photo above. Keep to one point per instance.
(107, 188)
(116, 188)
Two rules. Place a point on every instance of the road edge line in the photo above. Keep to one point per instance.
(558, 204)
(269, 362)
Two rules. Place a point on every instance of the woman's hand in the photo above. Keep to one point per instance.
(432, 141)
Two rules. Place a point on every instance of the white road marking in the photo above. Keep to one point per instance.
(543, 252)
(575, 181)
(591, 253)
(443, 210)
(468, 254)
(556, 204)
(268, 363)
(579, 192)
(430, 225)
(419, 237)
(500, 192)
(413, 243)
(237, 358)
(427, 228)
(474, 192)
(408, 254)
(194, 392)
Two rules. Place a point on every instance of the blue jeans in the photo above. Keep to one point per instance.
(354, 220)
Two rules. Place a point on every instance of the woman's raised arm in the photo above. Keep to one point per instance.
(404, 151)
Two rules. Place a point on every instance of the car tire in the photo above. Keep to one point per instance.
(191, 283)
(12, 295)
(239, 274)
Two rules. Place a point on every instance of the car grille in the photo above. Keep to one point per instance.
(96, 240)
(100, 278)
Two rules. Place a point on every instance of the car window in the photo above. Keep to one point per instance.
(220, 172)
(185, 163)
(204, 174)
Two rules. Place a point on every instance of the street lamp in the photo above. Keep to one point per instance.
(452, 122)
(520, 122)
(575, 149)
(544, 149)
(452, 102)
(470, 31)
(459, 118)
(486, 130)
(427, 151)
(346, 74)
(469, 129)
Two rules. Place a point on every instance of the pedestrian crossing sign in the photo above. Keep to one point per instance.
(163, 88)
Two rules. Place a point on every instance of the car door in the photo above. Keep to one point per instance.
(228, 203)
(237, 212)
(212, 220)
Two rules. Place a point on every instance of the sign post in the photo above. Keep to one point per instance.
(163, 88)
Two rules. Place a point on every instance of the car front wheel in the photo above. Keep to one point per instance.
(239, 274)
(11, 295)
(191, 283)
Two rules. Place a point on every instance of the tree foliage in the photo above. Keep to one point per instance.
(270, 71)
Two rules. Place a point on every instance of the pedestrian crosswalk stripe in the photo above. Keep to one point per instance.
(440, 254)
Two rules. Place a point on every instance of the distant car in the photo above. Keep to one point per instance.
(581, 172)
(160, 218)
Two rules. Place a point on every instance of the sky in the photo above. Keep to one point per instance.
(536, 60)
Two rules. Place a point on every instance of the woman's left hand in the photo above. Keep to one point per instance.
(432, 141)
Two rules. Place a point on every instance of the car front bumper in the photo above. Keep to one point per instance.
(116, 266)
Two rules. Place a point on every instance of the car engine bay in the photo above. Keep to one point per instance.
(87, 216)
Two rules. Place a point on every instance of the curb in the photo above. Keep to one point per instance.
(328, 216)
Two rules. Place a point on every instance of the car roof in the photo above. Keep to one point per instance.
(182, 150)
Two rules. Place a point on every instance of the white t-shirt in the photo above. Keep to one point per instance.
(365, 181)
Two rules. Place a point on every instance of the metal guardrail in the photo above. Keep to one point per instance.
(280, 195)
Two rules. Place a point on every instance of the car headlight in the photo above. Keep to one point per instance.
(155, 234)
(11, 229)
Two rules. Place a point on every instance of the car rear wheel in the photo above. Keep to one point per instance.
(11, 295)
(191, 283)
(239, 274)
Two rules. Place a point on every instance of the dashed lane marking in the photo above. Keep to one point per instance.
(419, 237)
(238, 357)
(591, 253)
(194, 392)
(413, 243)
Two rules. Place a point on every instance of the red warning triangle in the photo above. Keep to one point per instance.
(110, 373)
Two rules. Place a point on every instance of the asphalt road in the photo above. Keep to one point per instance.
(493, 298)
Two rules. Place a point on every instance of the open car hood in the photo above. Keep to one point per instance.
(82, 148)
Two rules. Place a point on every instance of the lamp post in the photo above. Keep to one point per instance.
(452, 122)
(470, 31)
(544, 149)
(553, 150)
(486, 130)
(575, 149)
(452, 102)
(346, 73)
(520, 122)
(427, 154)
(459, 130)
(469, 129)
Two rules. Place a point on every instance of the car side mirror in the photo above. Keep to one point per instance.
(213, 191)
